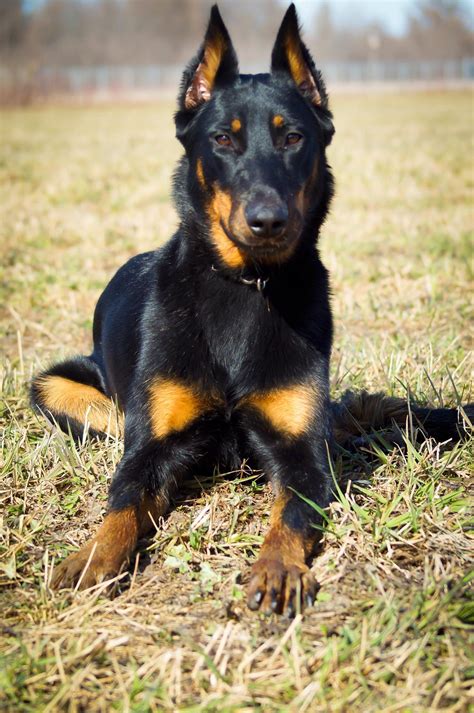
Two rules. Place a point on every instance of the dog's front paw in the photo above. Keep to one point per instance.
(92, 565)
(280, 587)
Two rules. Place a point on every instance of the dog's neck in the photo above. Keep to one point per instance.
(252, 277)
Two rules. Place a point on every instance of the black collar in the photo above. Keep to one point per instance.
(259, 282)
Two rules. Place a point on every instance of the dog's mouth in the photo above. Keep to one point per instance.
(263, 246)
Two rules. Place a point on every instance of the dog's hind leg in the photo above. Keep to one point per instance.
(73, 394)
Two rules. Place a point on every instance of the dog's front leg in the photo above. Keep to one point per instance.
(280, 579)
(138, 496)
(107, 553)
(290, 441)
(164, 437)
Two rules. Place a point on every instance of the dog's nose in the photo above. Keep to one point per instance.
(266, 220)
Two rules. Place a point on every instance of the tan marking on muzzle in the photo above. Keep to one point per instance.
(220, 209)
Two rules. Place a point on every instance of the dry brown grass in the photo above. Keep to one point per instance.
(82, 190)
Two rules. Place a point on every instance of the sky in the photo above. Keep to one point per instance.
(392, 13)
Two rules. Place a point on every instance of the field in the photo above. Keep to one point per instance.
(82, 189)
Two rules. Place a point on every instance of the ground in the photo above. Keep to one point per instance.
(82, 190)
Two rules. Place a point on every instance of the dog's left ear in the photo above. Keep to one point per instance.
(214, 65)
(290, 56)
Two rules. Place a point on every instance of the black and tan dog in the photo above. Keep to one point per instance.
(217, 346)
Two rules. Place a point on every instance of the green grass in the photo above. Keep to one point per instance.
(81, 191)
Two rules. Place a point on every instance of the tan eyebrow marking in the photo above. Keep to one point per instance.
(278, 120)
(235, 125)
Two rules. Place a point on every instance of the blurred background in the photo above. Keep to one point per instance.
(104, 49)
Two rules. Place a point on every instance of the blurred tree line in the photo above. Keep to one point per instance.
(126, 32)
(436, 30)
(62, 33)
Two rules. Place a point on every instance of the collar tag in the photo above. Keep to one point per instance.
(259, 282)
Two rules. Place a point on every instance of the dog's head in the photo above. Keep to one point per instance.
(255, 144)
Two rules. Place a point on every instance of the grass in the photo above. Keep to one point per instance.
(81, 191)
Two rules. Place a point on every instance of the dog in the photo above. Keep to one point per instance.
(216, 346)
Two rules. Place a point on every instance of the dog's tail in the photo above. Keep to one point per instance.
(357, 415)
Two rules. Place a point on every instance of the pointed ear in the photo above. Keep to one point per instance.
(290, 56)
(214, 65)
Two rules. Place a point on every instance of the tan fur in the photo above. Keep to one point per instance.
(200, 173)
(238, 223)
(219, 210)
(105, 554)
(281, 567)
(289, 410)
(119, 532)
(174, 406)
(213, 54)
(236, 125)
(203, 81)
(290, 544)
(300, 71)
(81, 402)
(278, 121)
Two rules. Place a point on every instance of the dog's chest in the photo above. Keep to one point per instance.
(248, 341)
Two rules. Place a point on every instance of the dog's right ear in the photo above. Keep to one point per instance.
(215, 65)
(291, 58)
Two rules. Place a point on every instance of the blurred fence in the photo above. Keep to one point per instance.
(380, 71)
(28, 82)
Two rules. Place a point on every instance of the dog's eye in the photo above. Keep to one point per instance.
(292, 139)
(223, 139)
